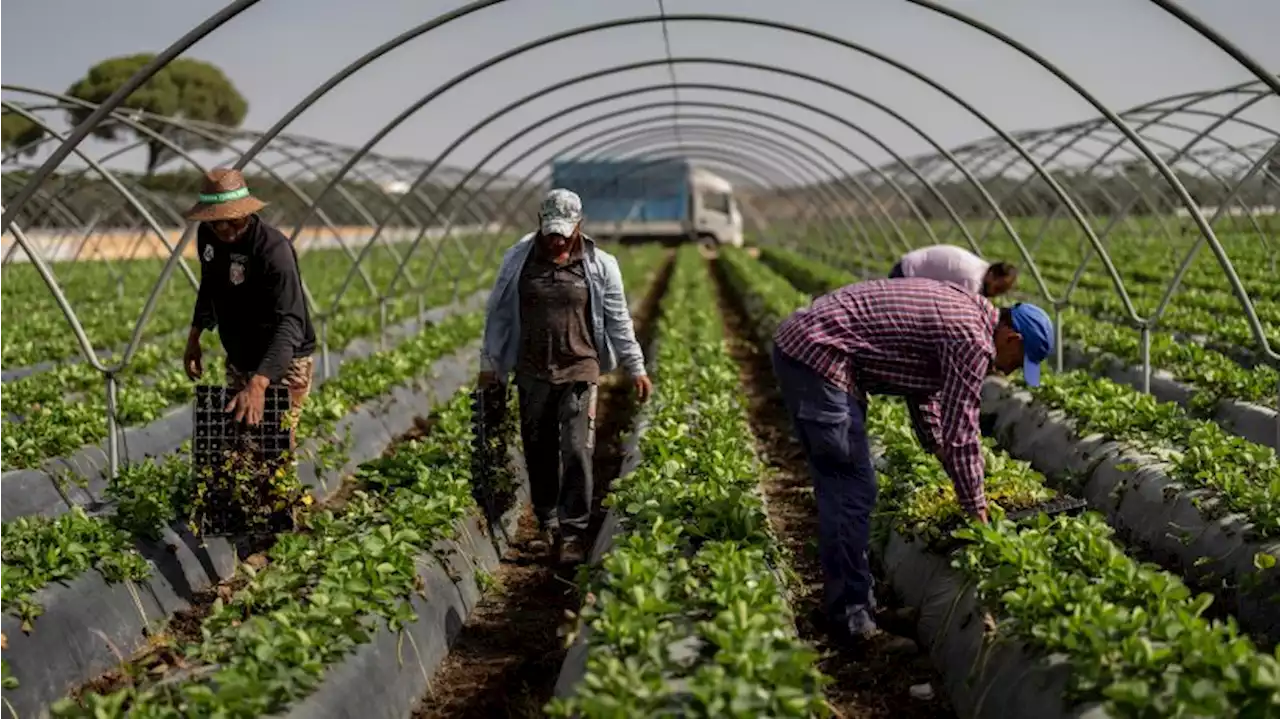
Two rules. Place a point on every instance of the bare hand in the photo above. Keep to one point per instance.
(248, 403)
(644, 388)
(191, 361)
(487, 379)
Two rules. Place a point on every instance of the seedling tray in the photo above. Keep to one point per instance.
(225, 452)
(491, 429)
(1062, 504)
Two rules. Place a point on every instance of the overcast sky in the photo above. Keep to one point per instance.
(1126, 51)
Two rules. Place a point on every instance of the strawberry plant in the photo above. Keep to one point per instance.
(322, 593)
(1135, 637)
(1244, 477)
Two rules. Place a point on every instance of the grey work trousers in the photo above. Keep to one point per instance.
(558, 428)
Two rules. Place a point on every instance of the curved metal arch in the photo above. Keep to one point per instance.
(732, 159)
(585, 29)
(511, 199)
(430, 169)
(791, 122)
(793, 73)
(626, 138)
(148, 307)
(813, 152)
(804, 166)
(220, 141)
(1184, 196)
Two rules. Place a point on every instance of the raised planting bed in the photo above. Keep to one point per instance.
(1254, 422)
(685, 614)
(1041, 618)
(81, 478)
(88, 620)
(1197, 498)
(1049, 617)
(348, 618)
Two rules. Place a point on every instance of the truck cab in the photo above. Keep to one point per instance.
(714, 210)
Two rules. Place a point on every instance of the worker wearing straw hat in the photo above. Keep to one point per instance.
(251, 291)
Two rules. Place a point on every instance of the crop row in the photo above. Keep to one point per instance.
(1132, 636)
(150, 496)
(685, 612)
(65, 408)
(1215, 376)
(322, 593)
(36, 330)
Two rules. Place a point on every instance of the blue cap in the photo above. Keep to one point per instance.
(1037, 338)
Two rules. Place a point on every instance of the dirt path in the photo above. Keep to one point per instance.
(867, 684)
(507, 659)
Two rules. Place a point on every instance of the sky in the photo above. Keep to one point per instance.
(276, 52)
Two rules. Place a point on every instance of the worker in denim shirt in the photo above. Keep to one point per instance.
(558, 318)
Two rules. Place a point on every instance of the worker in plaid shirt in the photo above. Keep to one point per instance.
(932, 342)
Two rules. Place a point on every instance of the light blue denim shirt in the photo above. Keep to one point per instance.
(615, 337)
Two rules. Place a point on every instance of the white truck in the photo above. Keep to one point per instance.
(641, 199)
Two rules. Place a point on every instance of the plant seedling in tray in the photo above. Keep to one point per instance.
(243, 478)
(1062, 504)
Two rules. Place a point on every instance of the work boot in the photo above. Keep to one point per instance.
(547, 542)
(572, 551)
(857, 630)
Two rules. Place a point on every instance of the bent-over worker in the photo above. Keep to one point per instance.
(251, 291)
(948, 263)
(558, 317)
(929, 341)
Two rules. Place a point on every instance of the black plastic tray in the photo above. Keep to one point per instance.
(216, 436)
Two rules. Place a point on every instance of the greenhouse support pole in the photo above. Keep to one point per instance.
(113, 429)
(324, 348)
(382, 323)
(1145, 350)
(1057, 337)
(422, 313)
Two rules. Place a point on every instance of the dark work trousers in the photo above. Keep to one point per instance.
(896, 272)
(558, 428)
(831, 426)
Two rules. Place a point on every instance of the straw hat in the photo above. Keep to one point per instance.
(223, 196)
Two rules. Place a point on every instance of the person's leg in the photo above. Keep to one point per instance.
(540, 434)
(833, 436)
(298, 379)
(577, 419)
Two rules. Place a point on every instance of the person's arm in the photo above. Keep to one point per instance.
(617, 319)
(964, 365)
(496, 325)
(289, 307)
(204, 318)
(926, 420)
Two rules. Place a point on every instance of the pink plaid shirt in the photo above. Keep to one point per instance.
(929, 341)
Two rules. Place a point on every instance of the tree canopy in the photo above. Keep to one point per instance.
(185, 88)
(17, 131)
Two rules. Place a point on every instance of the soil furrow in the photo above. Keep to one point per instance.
(868, 683)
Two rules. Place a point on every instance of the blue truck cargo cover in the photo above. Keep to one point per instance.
(627, 190)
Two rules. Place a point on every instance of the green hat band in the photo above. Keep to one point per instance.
(221, 197)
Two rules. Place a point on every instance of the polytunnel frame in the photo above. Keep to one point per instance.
(131, 197)
(608, 115)
(223, 143)
(508, 203)
(78, 134)
(1088, 129)
(1096, 126)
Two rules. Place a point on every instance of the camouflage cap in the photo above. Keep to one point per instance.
(560, 213)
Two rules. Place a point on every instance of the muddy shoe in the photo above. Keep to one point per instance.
(546, 543)
(572, 551)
